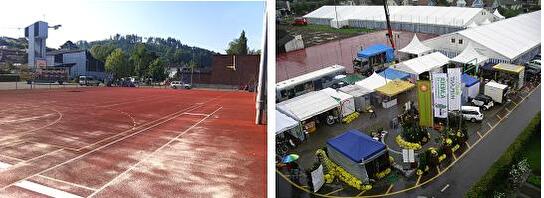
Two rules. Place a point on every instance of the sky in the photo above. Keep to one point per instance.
(210, 25)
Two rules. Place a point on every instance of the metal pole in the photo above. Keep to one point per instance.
(261, 87)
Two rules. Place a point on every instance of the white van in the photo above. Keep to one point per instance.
(472, 113)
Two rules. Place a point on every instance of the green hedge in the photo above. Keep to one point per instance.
(494, 179)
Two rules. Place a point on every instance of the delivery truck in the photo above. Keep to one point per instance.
(496, 91)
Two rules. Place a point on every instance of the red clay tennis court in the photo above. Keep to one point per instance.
(130, 142)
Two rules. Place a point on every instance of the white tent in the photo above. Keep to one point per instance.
(422, 64)
(307, 105)
(360, 94)
(473, 24)
(415, 47)
(284, 122)
(515, 39)
(499, 15)
(485, 22)
(347, 102)
(373, 82)
(468, 55)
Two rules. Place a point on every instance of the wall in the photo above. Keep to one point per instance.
(246, 73)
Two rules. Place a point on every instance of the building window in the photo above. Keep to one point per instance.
(452, 40)
(460, 41)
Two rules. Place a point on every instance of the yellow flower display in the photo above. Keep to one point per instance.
(337, 171)
(407, 145)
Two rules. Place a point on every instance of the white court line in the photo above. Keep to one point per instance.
(69, 183)
(153, 153)
(25, 119)
(35, 187)
(196, 114)
(45, 190)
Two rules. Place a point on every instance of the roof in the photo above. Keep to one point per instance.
(309, 76)
(473, 24)
(509, 67)
(497, 85)
(373, 50)
(393, 74)
(336, 94)
(415, 47)
(395, 87)
(307, 105)
(372, 82)
(450, 16)
(485, 22)
(355, 91)
(510, 37)
(468, 80)
(355, 145)
(284, 122)
(423, 63)
(469, 54)
(352, 78)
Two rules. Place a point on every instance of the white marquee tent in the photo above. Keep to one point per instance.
(307, 105)
(347, 102)
(285, 123)
(473, 24)
(415, 47)
(422, 64)
(373, 82)
(428, 19)
(499, 15)
(469, 55)
(513, 40)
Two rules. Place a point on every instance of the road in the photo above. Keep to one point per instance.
(468, 170)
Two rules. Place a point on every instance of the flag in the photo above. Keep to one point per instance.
(424, 103)
(454, 89)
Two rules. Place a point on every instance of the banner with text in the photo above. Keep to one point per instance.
(454, 89)
(318, 178)
(440, 95)
(424, 103)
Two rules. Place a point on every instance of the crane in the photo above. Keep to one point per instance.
(389, 31)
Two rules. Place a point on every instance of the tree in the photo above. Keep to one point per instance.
(117, 64)
(68, 45)
(141, 58)
(157, 70)
(101, 52)
(238, 46)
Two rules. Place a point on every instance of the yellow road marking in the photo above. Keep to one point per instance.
(389, 189)
(479, 134)
(454, 157)
(508, 109)
(406, 189)
(468, 144)
(358, 195)
(499, 117)
(418, 179)
(438, 168)
(335, 191)
(489, 124)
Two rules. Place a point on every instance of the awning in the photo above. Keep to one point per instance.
(372, 82)
(415, 47)
(395, 87)
(355, 91)
(423, 63)
(336, 94)
(284, 122)
(352, 78)
(509, 68)
(470, 55)
(393, 74)
(356, 146)
(307, 105)
(468, 80)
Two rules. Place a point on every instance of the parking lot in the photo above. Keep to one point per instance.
(126, 142)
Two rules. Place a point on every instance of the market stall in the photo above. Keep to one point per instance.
(358, 154)
(286, 124)
(471, 88)
(347, 102)
(392, 89)
(431, 63)
(372, 82)
(393, 74)
(311, 109)
(415, 48)
(361, 96)
(510, 74)
(470, 59)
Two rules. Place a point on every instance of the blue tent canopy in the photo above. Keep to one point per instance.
(355, 145)
(468, 80)
(377, 49)
(393, 74)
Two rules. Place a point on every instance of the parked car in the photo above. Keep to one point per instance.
(300, 21)
(88, 81)
(483, 101)
(178, 84)
(472, 113)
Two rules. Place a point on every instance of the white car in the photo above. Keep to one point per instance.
(472, 113)
(178, 84)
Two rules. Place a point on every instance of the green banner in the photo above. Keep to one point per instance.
(424, 103)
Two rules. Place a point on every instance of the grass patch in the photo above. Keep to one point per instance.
(496, 177)
(533, 154)
(535, 180)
